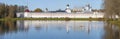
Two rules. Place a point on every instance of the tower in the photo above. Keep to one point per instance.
(26, 12)
(68, 10)
(46, 10)
(88, 7)
(68, 5)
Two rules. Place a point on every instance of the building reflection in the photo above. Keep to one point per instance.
(58, 25)
(21, 26)
(88, 27)
(7, 27)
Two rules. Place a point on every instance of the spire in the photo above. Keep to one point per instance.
(68, 5)
(46, 9)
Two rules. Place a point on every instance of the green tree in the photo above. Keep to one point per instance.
(9, 11)
(2, 10)
(38, 10)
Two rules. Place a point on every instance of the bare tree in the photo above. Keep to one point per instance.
(112, 8)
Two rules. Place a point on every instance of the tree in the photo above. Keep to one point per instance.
(38, 10)
(9, 11)
(112, 8)
(2, 10)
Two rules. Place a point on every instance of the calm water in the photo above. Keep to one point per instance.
(58, 30)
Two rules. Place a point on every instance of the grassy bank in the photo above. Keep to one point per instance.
(94, 19)
(116, 22)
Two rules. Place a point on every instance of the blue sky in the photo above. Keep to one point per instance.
(55, 4)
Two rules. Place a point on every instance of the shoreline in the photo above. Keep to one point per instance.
(116, 22)
(92, 19)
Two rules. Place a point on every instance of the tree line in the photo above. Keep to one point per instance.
(9, 11)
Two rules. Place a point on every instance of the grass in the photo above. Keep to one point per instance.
(116, 22)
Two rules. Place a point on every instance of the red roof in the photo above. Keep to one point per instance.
(27, 10)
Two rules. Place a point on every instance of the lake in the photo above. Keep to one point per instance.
(39, 29)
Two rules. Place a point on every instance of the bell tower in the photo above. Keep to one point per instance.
(68, 10)
(88, 8)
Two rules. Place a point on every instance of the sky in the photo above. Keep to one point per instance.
(54, 4)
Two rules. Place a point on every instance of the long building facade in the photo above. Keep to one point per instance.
(59, 15)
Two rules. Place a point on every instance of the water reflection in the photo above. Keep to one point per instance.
(7, 27)
(58, 25)
(27, 29)
(111, 31)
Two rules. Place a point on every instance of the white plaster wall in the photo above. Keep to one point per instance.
(19, 14)
(62, 15)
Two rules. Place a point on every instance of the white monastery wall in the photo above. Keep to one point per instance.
(60, 15)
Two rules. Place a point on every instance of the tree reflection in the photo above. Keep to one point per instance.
(111, 31)
(7, 26)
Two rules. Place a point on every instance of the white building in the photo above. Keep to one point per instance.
(67, 14)
(86, 8)
(78, 9)
(59, 15)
